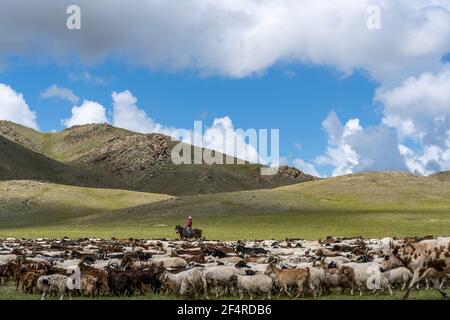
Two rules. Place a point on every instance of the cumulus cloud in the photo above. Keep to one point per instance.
(306, 167)
(236, 38)
(429, 160)
(88, 112)
(13, 107)
(419, 109)
(127, 115)
(414, 133)
(55, 91)
(352, 148)
(222, 136)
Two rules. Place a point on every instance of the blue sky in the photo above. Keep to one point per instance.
(295, 99)
(354, 85)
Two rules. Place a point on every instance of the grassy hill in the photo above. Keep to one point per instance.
(64, 146)
(442, 176)
(109, 157)
(18, 162)
(369, 204)
(32, 204)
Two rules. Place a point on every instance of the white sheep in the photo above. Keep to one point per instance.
(317, 277)
(367, 275)
(192, 282)
(259, 268)
(219, 276)
(399, 275)
(169, 262)
(257, 284)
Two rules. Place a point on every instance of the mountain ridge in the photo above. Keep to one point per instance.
(119, 158)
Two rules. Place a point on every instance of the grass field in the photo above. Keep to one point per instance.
(9, 292)
(308, 225)
(369, 205)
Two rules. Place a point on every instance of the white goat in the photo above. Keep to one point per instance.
(173, 281)
(54, 283)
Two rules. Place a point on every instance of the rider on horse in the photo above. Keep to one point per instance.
(189, 225)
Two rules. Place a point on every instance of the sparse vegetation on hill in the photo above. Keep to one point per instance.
(442, 176)
(109, 157)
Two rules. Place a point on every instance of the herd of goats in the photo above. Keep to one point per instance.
(192, 269)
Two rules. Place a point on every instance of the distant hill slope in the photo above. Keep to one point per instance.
(369, 204)
(18, 162)
(123, 159)
(36, 204)
(366, 191)
(441, 176)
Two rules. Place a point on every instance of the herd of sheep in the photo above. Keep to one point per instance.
(292, 268)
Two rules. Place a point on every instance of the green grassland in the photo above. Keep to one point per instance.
(369, 205)
(8, 292)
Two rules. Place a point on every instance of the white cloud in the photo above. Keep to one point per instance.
(222, 136)
(352, 148)
(416, 113)
(87, 77)
(127, 115)
(305, 167)
(13, 107)
(237, 37)
(429, 160)
(88, 112)
(419, 109)
(55, 91)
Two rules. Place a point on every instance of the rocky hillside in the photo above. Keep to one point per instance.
(130, 155)
(105, 156)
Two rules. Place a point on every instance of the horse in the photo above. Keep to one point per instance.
(185, 234)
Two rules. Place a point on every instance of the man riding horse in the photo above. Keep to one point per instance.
(188, 232)
(189, 226)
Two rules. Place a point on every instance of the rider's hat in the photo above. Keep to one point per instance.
(190, 217)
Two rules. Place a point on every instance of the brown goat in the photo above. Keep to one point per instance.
(101, 275)
(291, 277)
(350, 276)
